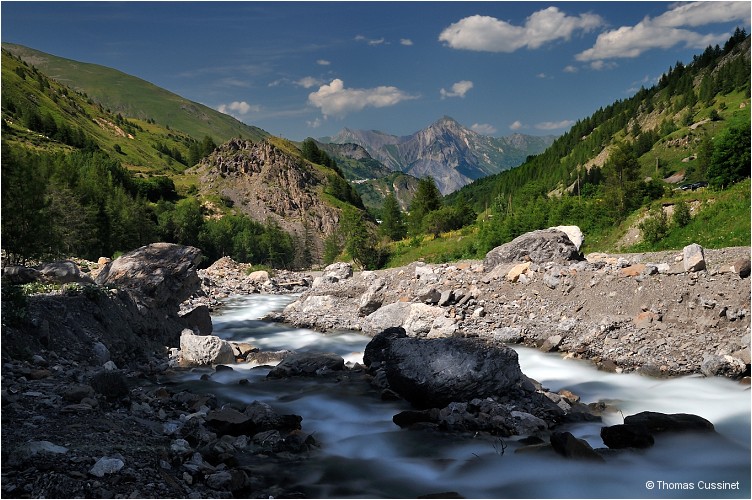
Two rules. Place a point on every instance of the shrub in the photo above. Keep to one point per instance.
(655, 227)
(681, 216)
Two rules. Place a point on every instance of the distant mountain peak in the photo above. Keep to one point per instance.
(452, 154)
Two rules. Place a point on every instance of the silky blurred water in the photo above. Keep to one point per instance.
(365, 455)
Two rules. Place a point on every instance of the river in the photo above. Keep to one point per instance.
(364, 454)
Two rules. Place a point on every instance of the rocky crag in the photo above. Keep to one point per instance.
(264, 182)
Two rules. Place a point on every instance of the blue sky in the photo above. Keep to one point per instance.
(300, 69)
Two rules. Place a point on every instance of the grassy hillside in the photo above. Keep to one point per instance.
(136, 98)
(44, 115)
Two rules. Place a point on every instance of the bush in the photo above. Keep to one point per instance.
(655, 227)
(681, 216)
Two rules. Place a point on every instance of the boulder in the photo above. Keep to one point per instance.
(741, 267)
(574, 233)
(198, 319)
(259, 276)
(159, 275)
(726, 366)
(655, 422)
(564, 443)
(545, 245)
(339, 270)
(20, 275)
(64, 271)
(307, 364)
(417, 319)
(693, 258)
(372, 298)
(431, 373)
(199, 350)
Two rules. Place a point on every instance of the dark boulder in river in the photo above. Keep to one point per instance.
(431, 373)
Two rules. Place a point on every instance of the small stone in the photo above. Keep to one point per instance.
(106, 465)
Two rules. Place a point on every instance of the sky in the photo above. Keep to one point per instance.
(310, 69)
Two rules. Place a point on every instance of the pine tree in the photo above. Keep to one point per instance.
(392, 223)
(427, 198)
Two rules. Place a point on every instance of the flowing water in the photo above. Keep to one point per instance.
(364, 454)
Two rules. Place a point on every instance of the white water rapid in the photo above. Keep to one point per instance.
(364, 454)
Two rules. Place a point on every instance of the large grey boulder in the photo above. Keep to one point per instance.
(418, 320)
(156, 275)
(545, 245)
(693, 258)
(201, 350)
(431, 373)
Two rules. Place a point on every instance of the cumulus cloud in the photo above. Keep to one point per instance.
(237, 108)
(406, 41)
(488, 34)
(570, 69)
(667, 30)
(516, 125)
(323, 62)
(483, 128)
(459, 89)
(554, 125)
(336, 100)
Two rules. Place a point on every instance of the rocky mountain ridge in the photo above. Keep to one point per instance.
(452, 154)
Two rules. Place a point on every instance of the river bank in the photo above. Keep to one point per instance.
(627, 312)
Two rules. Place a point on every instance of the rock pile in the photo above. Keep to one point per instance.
(69, 431)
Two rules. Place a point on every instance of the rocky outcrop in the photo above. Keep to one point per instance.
(266, 183)
(131, 312)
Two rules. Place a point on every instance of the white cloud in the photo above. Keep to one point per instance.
(314, 123)
(323, 62)
(554, 125)
(370, 41)
(406, 41)
(516, 125)
(602, 65)
(667, 30)
(237, 108)
(485, 33)
(570, 69)
(308, 81)
(702, 13)
(336, 100)
(483, 128)
(459, 89)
